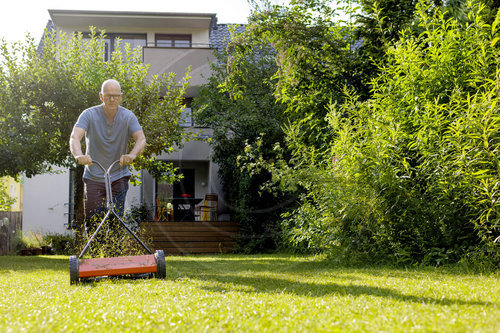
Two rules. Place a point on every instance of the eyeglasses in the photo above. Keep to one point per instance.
(108, 96)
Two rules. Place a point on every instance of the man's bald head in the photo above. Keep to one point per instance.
(111, 95)
(110, 82)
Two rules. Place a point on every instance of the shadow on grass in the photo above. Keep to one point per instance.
(34, 263)
(281, 286)
(232, 275)
(256, 263)
(268, 274)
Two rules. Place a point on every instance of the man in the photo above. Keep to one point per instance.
(107, 129)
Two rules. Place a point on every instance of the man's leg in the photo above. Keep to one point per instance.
(107, 241)
(119, 188)
(95, 198)
(94, 208)
(118, 241)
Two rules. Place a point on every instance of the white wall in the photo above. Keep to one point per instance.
(44, 207)
(133, 196)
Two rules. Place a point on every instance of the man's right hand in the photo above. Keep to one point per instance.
(84, 159)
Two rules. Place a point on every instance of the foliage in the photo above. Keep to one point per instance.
(414, 172)
(379, 24)
(18, 242)
(33, 239)
(238, 120)
(5, 200)
(241, 293)
(316, 58)
(61, 243)
(139, 213)
(43, 92)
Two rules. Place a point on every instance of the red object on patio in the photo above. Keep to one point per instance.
(117, 266)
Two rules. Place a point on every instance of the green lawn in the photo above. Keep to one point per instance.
(237, 293)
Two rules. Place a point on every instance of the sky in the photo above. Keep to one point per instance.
(17, 17)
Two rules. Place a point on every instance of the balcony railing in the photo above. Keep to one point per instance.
(177, 60)
(192, 46)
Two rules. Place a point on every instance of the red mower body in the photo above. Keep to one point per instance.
(117, 266)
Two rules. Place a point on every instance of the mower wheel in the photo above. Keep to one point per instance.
(73, 270)
(161, 270)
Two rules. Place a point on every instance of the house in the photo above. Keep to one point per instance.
(14, 190)
(170, 43)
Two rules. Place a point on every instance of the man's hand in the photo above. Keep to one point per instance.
(127, 159)
(84, 159)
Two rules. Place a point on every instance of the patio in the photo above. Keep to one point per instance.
(194, 237)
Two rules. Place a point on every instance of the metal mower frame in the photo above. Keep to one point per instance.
(133, 266)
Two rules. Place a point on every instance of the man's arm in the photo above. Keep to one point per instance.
(75, 146)
(140, 144)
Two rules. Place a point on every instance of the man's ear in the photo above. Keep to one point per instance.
(101, 97)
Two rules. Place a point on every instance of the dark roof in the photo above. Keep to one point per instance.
(220, 36)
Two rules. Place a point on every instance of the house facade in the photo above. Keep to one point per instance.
(170, 42)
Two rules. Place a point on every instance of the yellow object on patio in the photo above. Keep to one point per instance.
(209, 208)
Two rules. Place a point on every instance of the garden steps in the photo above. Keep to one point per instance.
(192, 237)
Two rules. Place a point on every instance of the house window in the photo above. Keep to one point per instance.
(13, 193)
(186, 119)
(111, 42)
(164, 40)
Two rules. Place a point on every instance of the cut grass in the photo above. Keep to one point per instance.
(261, 293)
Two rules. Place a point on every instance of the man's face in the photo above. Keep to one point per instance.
(111, 96)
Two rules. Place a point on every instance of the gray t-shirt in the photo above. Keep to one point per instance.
(107, 142)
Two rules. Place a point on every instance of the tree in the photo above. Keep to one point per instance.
(400, 173)
(316, 59)
(380, 23)
(43, 92)
(253, 116)
(415, 166)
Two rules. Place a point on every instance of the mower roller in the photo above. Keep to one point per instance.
(128, 266)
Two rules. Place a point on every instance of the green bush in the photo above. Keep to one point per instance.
(61, 243)
(416, 175)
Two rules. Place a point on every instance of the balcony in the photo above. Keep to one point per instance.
(177, 60)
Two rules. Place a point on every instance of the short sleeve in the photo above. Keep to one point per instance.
(83, 120)
(134, 125)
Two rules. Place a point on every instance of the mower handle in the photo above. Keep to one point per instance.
(107, 182)
(109, 204)
(106, 171)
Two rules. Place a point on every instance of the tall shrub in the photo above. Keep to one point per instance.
(235, 121)
(415, 171)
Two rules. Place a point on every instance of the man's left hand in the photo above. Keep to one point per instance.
(126, 159)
